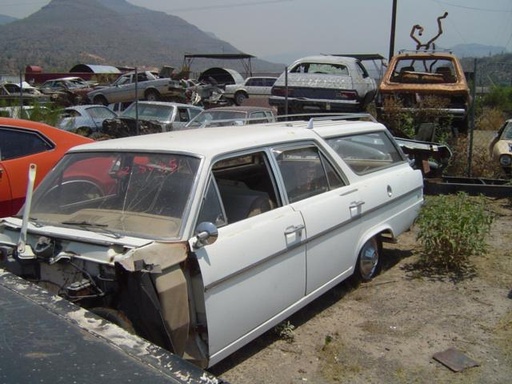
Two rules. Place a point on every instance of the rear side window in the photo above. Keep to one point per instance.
(367, 152)
(15, 144)
(306, 173)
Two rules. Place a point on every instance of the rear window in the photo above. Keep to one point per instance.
(367, 152)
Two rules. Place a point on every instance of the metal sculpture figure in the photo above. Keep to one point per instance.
(420, 29)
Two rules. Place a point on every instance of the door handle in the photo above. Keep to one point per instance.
(356, 204)
(293, 229)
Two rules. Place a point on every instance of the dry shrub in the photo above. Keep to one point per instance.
(402, 123)
(490, 120)
(481, 164)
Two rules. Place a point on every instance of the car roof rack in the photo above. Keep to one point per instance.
(419, 51)
(311, 118)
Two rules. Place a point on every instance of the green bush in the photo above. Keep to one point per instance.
(452, 228)
(499, 97)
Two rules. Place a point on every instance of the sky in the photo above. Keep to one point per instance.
(273, 28)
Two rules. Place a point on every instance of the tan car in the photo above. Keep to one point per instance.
(501, 148)
(411, 77)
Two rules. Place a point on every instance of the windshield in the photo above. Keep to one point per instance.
(218, 118)
(157, 112)
(139, 194)
(423, 70)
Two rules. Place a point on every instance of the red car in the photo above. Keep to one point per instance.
(23, 142)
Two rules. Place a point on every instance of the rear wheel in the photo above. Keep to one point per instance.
(368, 261)
(100, 99)
(152, 95)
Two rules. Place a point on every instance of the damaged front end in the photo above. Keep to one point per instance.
(140, 287)
(114, 248)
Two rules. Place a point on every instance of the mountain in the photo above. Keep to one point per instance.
(108, 32)
(477, 50)
(4, 19)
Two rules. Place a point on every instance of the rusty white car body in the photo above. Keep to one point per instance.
(323, 83)
(201, 240)
(501, 147)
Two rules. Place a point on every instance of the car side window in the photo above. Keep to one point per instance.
(306, 173)
(366, 152)
(211, 209)
(243, 186)
(14, 144)
(258, 117)
(183, 115)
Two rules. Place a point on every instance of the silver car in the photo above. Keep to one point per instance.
(150, 117)
(85, 118)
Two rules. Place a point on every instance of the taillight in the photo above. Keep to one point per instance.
(281, 91)
(346, 95)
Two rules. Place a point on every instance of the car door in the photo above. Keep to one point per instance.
(5, 191)
(255, 271)
(18, 149)
(122, 90)
(389, 186)
(331, 209)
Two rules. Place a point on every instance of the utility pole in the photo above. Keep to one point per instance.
(393, 27)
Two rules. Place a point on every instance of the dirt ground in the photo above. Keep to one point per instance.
(387, 330)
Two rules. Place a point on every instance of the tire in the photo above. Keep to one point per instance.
(83, 131)
(368, 261)
(116, 317)
(152, 95)
(240, 97)
(100, 99)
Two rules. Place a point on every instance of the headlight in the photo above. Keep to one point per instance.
(505, 160)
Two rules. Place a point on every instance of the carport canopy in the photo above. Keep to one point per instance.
(244, 58)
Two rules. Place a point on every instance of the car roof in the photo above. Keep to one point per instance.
(166, 103)
(85, 107)
(326, 59)
(242, 108)
(424, 54)
(212, 141)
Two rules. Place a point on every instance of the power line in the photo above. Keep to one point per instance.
(473, 8)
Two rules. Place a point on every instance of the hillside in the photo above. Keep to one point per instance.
(4, 19)
(112, 32)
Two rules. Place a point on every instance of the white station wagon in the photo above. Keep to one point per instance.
(201, 240)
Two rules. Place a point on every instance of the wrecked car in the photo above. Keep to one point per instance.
(67, 91)
(201, 240)
(133, 86)
(144, 117)
(252, 87)
(500, 148)
(235, 115)
(425, 80)
(323, 83)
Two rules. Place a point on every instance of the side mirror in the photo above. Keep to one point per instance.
(206, 234)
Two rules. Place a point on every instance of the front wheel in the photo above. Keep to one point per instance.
(240, 98)
(368, 261)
